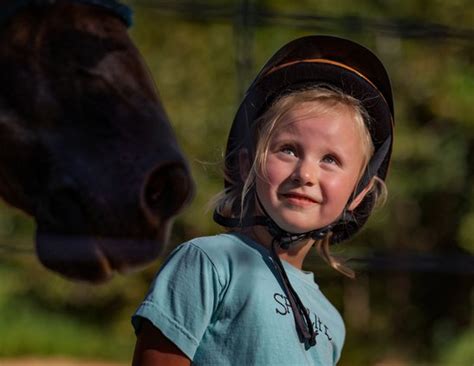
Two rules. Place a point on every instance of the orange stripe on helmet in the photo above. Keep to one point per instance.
(321, 61)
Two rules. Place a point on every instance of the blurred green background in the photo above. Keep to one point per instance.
(412, 303)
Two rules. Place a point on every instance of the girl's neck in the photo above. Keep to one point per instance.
(295, 255)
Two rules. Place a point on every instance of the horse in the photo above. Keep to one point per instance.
(86, 147)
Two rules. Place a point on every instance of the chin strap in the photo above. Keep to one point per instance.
(284, 237)
(304, 326)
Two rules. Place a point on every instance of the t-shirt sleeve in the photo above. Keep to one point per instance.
(182, 298)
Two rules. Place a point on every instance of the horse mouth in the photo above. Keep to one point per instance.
(94, 259)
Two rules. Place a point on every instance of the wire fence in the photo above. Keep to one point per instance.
(251, 14)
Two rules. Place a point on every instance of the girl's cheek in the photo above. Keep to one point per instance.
(274, 170)
(331, 184)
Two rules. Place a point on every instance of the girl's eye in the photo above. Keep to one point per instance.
(289, 150)
(330, 159)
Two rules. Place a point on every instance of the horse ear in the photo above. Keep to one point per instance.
(359, 198)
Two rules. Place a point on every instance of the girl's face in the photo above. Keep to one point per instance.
(313, 164)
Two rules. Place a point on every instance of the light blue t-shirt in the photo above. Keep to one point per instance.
(217, 299)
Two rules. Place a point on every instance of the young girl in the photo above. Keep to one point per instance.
(306, 158)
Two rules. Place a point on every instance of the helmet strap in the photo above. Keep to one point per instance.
(304, 326)
(374, 165)
(285, 238)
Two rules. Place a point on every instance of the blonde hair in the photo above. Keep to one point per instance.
(236, 200)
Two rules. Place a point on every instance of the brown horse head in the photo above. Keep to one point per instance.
(85, 144)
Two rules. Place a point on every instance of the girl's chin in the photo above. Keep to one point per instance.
(299, 227)
(296, 229)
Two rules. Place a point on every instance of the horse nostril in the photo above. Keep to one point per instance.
(167, 190)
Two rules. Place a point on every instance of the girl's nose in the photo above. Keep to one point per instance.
(305, 173)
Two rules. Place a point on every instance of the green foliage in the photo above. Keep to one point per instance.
(29, 330)
(33, 325)
(459, 351)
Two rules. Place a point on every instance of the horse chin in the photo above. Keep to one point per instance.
(94, 259)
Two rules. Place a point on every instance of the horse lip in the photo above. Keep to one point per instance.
(94, 259)
(74, 257)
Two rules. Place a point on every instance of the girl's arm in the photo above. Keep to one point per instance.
(154, 349)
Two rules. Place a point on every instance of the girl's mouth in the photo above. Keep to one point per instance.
(298, 199)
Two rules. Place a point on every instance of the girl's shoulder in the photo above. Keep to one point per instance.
(222, 243)
(224, 248)
(211, 241)
(221, 254)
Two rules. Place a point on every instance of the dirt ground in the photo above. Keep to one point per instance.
(54, 362)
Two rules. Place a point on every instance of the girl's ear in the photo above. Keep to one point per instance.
(358, 199)
(244, 164)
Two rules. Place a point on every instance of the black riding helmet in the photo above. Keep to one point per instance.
(312, 61)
